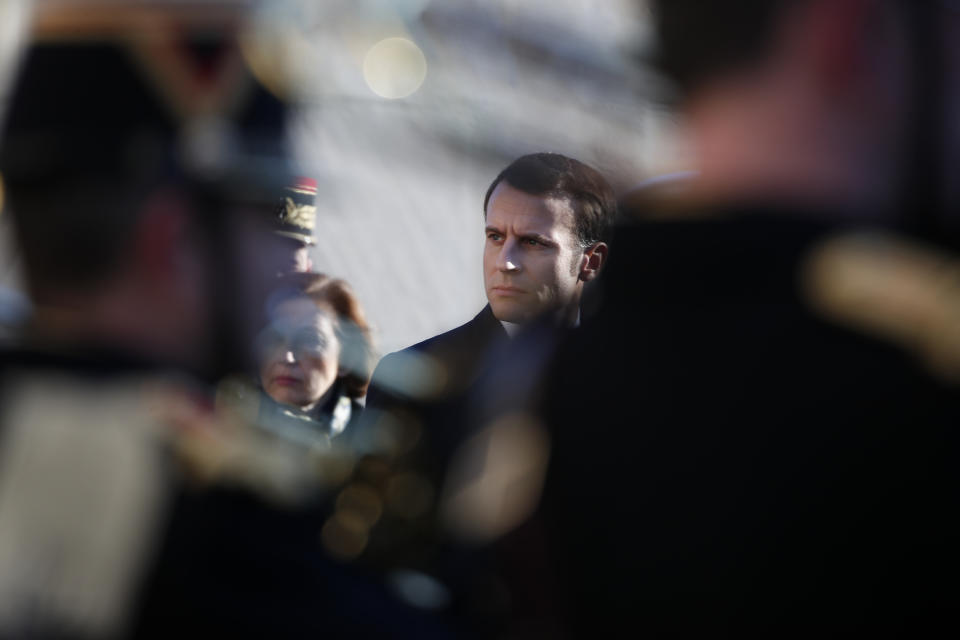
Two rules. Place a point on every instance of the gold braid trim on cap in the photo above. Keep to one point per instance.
(300, 215)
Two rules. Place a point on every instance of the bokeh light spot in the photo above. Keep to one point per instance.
(420, 590)
(409, 495)
(362, 501)
(394, 68)
(345, 535)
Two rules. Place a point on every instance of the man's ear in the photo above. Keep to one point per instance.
(593, 258)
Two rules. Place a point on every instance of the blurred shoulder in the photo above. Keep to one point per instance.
(435, 365)
(892, 288)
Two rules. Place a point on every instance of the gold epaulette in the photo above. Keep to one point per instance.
(895, 289)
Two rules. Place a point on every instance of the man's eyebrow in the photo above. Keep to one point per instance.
(539, 238)
(532, 235)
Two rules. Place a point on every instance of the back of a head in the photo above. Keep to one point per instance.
(696, 40)
(76, 168)
(848, 88)
(554, 175)
(86, 137)
(108, 115)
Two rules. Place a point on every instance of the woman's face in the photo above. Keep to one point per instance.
(299, 354)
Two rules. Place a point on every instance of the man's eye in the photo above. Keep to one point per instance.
(493, 236)
(533, 242)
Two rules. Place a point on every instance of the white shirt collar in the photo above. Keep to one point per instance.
(512, 328)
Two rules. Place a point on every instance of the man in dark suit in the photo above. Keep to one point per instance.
(776, 452)
(546, 221)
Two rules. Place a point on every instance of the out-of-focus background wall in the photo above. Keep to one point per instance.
(409, 108)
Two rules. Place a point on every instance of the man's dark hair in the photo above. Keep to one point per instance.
(698, 40)
(557, 176)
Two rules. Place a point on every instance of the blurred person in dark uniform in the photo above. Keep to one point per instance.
(141, 183)
(769, 445)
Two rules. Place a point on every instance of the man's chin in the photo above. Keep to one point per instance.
(512, 313)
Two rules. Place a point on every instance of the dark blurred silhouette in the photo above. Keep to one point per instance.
(755, 435)
(142, 164)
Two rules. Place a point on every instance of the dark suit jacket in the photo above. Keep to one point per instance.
(417, 417)
(422, 387)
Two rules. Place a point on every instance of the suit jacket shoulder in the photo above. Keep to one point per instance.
(437, 366)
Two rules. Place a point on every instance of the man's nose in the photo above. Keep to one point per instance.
(508, 260)
(288, 356)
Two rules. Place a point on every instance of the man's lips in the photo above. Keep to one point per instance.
(506, 290)
(286, 381)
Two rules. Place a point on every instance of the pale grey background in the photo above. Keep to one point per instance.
(401, 181)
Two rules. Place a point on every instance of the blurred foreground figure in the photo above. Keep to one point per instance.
(142, 166)
(776, 450)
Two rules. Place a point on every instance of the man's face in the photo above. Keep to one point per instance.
(531, 259)
(298, 260)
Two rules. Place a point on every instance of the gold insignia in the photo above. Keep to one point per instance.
(897, 290)
(300, 215)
